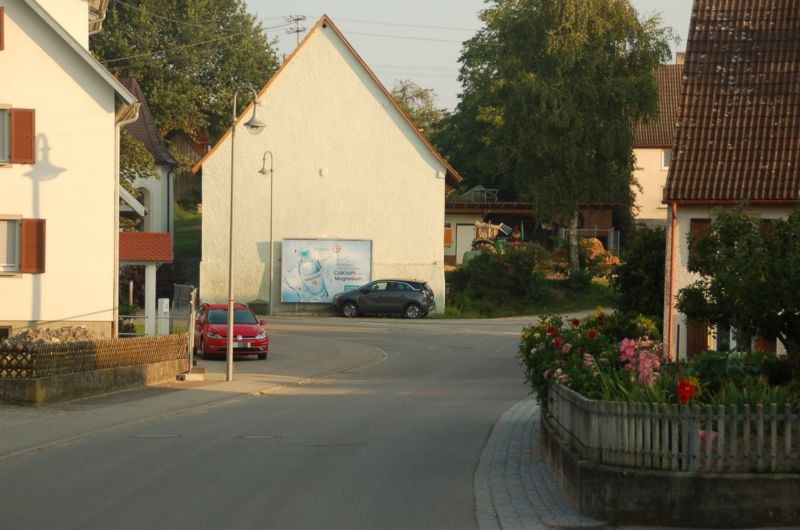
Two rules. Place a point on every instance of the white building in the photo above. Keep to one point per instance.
(60, 114)
(652, 147)
(348, 165)
(736, 143)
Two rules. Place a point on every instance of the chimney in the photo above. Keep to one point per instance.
(680, 57)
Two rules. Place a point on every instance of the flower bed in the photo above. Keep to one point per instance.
(619, 358)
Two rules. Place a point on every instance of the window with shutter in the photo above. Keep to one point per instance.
(5, 136)
(32, 254)
(9, 245)
(23, 136)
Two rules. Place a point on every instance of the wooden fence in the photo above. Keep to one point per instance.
(764, 438)
(66, 358)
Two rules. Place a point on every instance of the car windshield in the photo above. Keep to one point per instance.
(240, 316)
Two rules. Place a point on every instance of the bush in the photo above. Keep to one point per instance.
(491, 280)
(639, 280)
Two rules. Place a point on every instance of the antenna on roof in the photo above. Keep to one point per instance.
(297, 29)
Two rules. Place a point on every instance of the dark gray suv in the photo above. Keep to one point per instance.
(403, 297)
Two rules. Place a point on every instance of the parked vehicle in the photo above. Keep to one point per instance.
(211, 331)
(404, 297)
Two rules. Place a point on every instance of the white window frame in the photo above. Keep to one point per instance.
(13, 268)
(664, 151)
(5, 140)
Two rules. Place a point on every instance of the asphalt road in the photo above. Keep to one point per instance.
(366, 423)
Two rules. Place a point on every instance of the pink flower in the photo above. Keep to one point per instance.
(548, 374)
(557, 342)
(627, 348)
(566, 348)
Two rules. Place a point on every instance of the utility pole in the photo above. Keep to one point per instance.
(297, 29)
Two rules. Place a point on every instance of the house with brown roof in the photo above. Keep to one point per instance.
(652, 147)
(738, 136)
(338, 187)
(156, 192)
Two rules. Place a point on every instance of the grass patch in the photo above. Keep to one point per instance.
(187, 233)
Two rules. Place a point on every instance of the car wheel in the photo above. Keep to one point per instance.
(262, 356)
(350, 310)
(412, 311)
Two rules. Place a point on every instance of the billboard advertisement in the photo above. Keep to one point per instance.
(313, 270)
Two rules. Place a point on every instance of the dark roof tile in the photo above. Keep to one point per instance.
(661, 131)
(738, 135)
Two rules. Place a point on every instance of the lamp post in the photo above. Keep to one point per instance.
(253, 124)
(264, 171)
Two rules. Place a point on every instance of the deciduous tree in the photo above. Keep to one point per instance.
(188, 55)
(552, 91)
(750, 273)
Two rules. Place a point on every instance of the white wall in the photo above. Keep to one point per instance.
(160, 196)
(682, 277)
(324, 114)
(73, 15)
(652, 177)
(72, 185)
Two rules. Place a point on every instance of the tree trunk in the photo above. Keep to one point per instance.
(575, 265)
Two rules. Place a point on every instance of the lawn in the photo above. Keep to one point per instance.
(187, 233)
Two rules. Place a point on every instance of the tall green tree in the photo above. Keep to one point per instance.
(749, 275)
(552, 92)
(188, 55)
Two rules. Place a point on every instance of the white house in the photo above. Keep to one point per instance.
(60, 113)
(355, 187)
(652, 147)
(737, 139)
(158, 191)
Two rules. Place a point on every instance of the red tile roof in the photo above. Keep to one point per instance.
(154, 247)
(661, 131)
(738, 136)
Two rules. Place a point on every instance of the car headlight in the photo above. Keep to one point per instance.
(262, 335)
(212, 335)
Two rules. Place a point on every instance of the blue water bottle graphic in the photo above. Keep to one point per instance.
(311, 274)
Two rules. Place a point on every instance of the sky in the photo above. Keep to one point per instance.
(419, 40)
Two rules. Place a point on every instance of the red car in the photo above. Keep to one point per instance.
(211, 331)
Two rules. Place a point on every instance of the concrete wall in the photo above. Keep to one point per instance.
(652, 177)
(452, 252)
(627, 496)
(72, 185)
(83, 384)
(681, 276)
(346, 166)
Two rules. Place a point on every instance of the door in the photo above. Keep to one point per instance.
(465, 234)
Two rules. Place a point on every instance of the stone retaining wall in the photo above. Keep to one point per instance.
(627, 496)
(60, 372)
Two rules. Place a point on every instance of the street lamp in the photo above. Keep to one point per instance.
(254, 124)
(269, 171)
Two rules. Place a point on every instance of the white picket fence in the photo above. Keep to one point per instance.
(765, 438)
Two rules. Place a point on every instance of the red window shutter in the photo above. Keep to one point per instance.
(448, 236)
(2, 20)
(33, 244)
(23, 136)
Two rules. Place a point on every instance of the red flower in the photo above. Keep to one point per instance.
(685, 392)
(552, 330)
(592, 334)
(575, 322)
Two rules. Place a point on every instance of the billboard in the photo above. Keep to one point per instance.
(313, 270)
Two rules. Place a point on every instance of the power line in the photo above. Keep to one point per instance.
(403, 37)
(448, 28)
